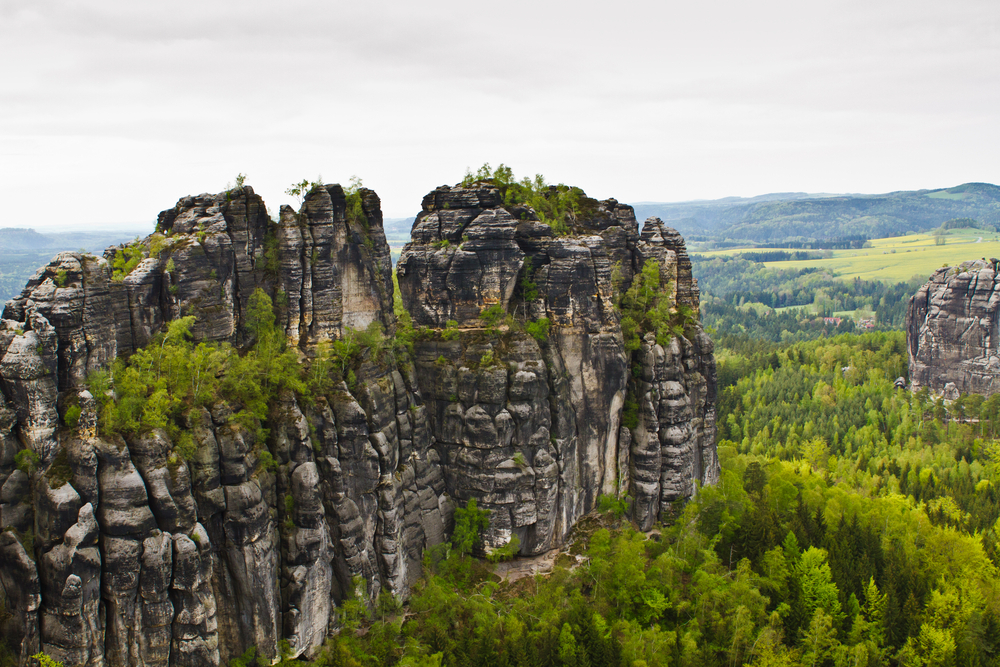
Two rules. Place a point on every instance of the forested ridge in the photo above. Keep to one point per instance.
(854, 524)
(743, 298)
(798, 220)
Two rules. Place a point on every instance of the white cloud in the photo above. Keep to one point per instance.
(111, 110)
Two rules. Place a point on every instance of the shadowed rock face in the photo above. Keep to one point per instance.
(138, 557)
(952, 331)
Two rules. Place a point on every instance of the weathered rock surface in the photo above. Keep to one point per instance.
(116, 551)
(142, 558)
(535, 433)
(952, 331)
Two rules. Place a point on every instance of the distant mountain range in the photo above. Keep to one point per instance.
(23, 251)
(799, 217)
(15, 239)
(795, 219)
(397, 230)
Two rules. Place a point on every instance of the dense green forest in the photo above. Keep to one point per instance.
(854, 524)
(739, 297)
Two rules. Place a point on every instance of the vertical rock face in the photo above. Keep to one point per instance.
(533, 430)
(952, 331)
(117, 551)
(133, 556)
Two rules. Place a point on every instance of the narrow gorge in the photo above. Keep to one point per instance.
(499, 373)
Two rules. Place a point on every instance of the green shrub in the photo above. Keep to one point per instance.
(266, 461)
(608, 504)
(26, 461)
(406, 333)
(347, 352)
(185, 446)
(450, 331)
(506, 552)
(72, 416)
(157, 243)
(470, 522)
(302, 188)
(319, 376)
(492, 316)
(46, 661)
(539, 329)
(630, 413)
(60, 278)
(272, 251)
(161, 382)
(126, 259)
(558, 206)
(529, 290)
(648, 306)
(247, 659)
(355, 204)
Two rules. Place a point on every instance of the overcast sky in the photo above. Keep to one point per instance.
(112, 110)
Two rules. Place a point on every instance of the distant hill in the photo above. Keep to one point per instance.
(708, 216)
(793, 218)
(23, 251)
(398, 228)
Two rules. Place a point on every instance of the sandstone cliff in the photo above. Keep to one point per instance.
(952, 331)
(117, 551)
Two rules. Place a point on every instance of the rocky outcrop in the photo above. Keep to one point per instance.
(144, 550)
(952, 331)
(533, 429)
(118, 551)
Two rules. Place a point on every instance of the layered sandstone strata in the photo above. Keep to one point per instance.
(119, 552)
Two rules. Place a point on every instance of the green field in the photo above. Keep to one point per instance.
(894, 259)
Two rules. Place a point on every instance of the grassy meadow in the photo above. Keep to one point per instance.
(894, 259)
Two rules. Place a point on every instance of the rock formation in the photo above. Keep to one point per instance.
(952, 331)
(536, 434)
(117, 551)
